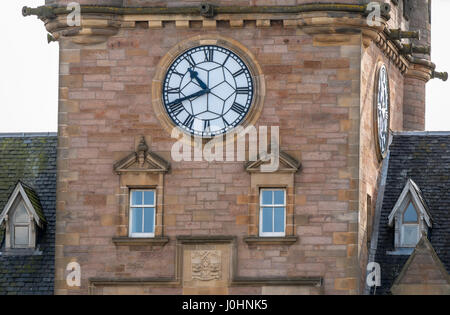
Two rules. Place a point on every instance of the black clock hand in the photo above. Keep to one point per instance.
(199, 93)
(194, 75)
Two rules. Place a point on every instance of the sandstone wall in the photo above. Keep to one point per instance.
(312, 93)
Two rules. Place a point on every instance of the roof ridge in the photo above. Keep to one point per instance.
(421, 133)
(28, 134)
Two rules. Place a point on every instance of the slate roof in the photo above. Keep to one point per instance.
(30, 158)
(425, 158)
(35, 201)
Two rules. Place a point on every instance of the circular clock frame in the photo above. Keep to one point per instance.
(381, 154)
(232, 45)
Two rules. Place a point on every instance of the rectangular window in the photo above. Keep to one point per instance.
(410, 235)
(272, 216)
(21, 236)
(142, 213)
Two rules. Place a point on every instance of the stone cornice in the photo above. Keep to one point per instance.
(48, 12)
(101, 22)
(420, 69)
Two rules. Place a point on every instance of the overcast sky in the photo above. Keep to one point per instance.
(29, 71)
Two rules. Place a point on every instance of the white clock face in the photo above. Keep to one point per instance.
(383, 103)
(208, 90)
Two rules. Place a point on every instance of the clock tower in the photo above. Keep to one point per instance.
(140, 78)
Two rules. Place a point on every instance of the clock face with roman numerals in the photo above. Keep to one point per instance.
(208, 90)
(383, 103)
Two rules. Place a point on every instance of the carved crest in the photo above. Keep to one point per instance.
(206, 265)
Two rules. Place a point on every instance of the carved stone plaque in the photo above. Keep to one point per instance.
(206, 264)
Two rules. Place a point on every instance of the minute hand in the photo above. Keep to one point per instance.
(199, 93)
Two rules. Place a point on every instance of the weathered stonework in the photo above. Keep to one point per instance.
(317, 72)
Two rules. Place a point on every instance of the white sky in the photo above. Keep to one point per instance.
(29, 71)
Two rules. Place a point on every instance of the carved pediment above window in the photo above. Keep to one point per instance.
(143, 160)
(286, 163)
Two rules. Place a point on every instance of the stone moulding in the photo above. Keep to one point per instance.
(255, 240)
(45, 12)
(136, 241)
(206, 39)
(176, 280)
(101, 22)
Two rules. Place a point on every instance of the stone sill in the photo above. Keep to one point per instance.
(21, 252)
(256, 240)
(141, 241)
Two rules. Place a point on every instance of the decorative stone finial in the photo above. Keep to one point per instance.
(142, 151)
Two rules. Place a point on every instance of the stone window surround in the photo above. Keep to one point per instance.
(142, 169)
(124, 205)
(283, 178)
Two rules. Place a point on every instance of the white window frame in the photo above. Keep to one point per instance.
(273, 205)
(23, 225)
(141, 234)
(409, 224)
(402, 234)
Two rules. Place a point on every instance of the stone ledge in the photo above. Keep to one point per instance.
(256, 240)
(128, 241)
(201, 239)
(278, 281)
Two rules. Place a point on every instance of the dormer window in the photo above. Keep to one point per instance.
(410, 216)
(21, 217)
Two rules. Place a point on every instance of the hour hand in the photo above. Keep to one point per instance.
(194, 75)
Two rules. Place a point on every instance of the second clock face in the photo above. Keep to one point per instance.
(383, 103)
(208, 90)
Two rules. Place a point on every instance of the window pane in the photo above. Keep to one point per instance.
(21, 235)
(136, 220)
(149, 220)
(149, 197)
(278, 224)
(278, 197)
(136, 197)
(267, 220)
(266, 197)
(21, 215)
(410, 234)
(410, 214)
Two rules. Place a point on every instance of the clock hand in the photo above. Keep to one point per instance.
(194, 74)
(199, 93)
